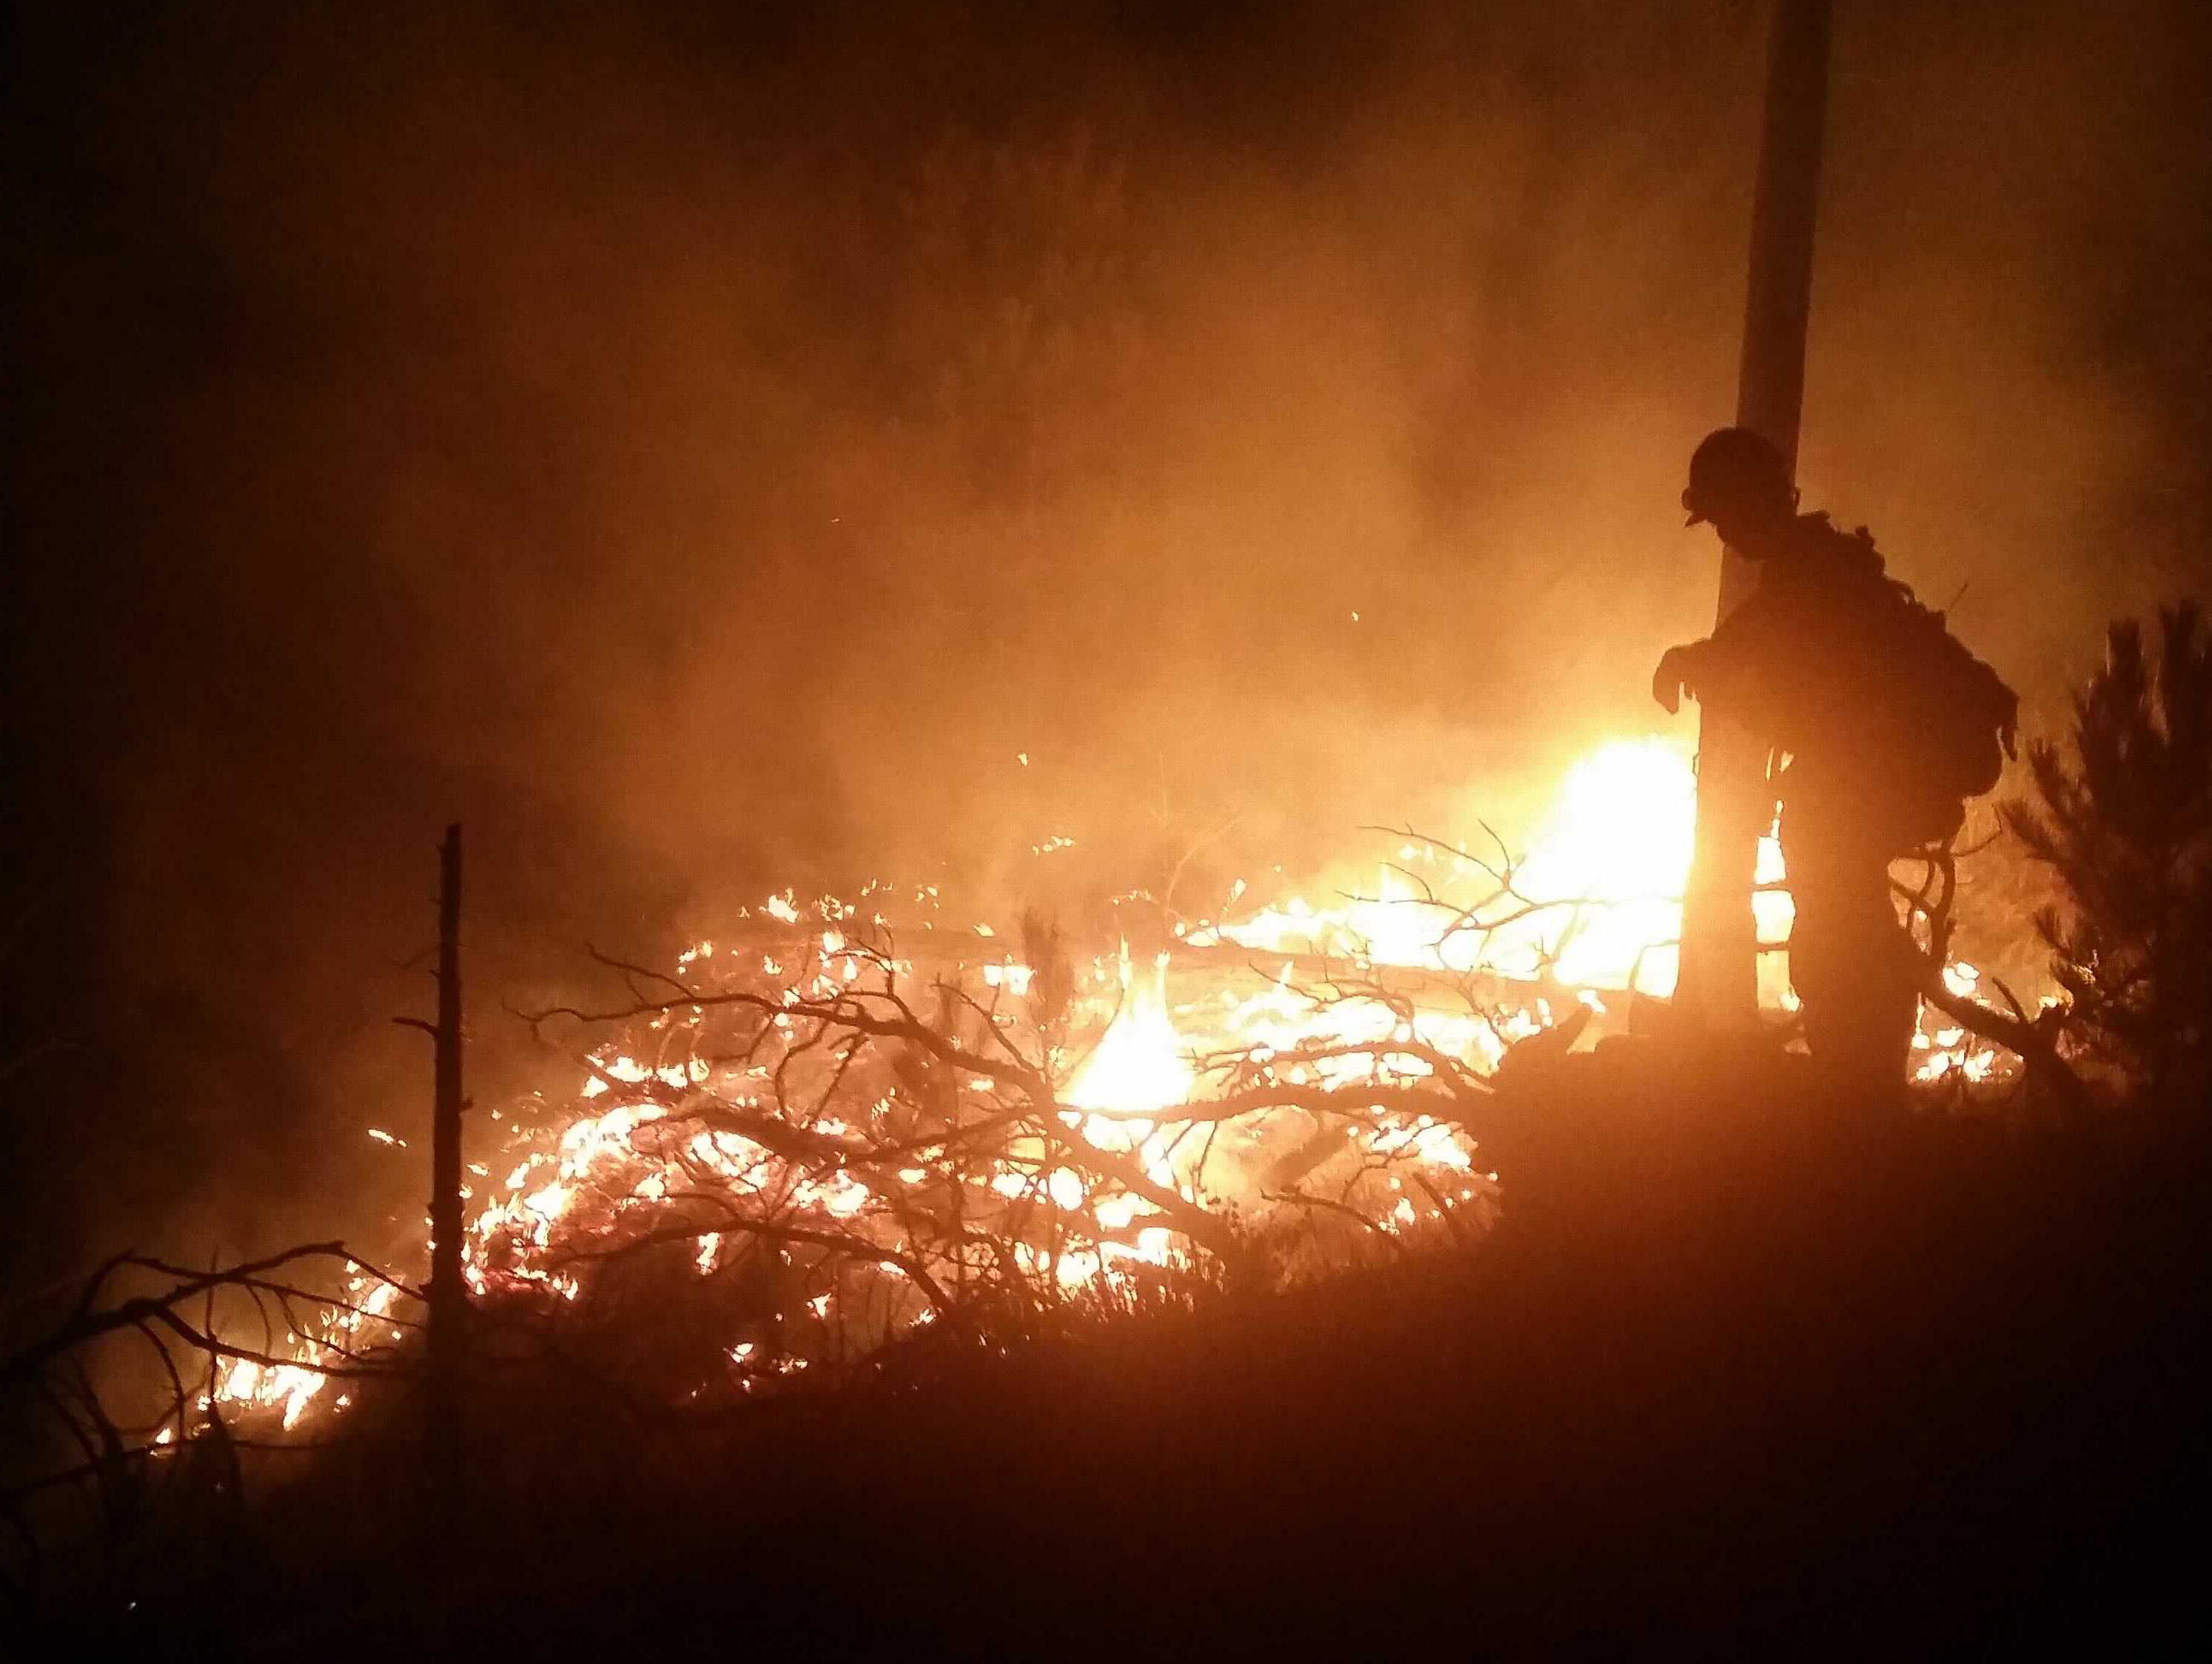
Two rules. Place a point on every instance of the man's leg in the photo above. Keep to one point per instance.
(1853, 969)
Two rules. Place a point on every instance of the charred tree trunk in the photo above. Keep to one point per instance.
(444, 1441)
(1718, 985)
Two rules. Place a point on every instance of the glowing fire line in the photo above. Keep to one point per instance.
(1615, 846)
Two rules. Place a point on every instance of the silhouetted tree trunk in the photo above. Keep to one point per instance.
(445, 1441)
(1718, 983)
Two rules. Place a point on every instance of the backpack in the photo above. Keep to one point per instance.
(1957, 720)
(1833, 659)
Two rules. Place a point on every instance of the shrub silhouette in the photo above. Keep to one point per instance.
(2122, 815)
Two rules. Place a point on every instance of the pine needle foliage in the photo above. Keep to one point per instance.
(2121, 813)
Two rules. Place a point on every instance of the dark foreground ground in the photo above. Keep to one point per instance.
(1722, 1375)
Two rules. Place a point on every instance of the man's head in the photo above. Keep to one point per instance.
(1739, 483)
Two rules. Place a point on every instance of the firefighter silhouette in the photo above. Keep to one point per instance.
(1878, 726)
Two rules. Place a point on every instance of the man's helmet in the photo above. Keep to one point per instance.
(1735, 465)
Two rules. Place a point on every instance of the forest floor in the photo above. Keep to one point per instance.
(1729, 1368)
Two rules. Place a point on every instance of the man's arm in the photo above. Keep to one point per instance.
(1759, 651)
(1682, 671)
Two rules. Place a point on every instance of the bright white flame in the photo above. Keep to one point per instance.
(1140, 1062)
(1612, 854)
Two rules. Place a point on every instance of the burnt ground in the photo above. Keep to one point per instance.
(1732, 1370)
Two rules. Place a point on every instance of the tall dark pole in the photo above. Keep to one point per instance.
(1719, 981)
(448, 1313)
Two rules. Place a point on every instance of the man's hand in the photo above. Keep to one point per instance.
(1676, 678)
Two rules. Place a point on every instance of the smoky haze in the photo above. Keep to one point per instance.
(709, 455)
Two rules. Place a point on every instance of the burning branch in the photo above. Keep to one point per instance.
(2033, 1040)
(85, 1324)
(118, 1455)
(835, 1115)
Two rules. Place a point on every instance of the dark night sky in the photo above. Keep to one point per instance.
(700, 449)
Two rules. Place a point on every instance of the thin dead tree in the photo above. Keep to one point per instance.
(445, 1437)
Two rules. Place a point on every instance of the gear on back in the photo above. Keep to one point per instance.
(1928, 724)
(1966, 717)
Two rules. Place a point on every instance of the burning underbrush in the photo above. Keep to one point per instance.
(849, 1126)
(806, 1142)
